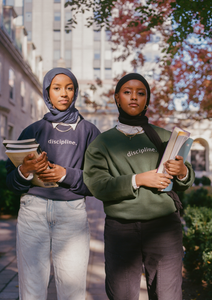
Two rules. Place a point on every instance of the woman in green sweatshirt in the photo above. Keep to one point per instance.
(142, 225)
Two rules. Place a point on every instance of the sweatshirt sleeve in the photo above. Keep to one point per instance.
(182, 185)
(74, 181)
(15, 182)
(99, 181)
(74, 176)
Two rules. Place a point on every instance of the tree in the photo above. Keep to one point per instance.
(185, 39)
(182, 14)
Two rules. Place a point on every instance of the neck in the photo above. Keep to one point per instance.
(138, 120)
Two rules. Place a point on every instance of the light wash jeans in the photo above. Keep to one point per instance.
(58, 227)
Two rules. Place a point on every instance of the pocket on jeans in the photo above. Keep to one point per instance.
(26, 200)
(76, 204)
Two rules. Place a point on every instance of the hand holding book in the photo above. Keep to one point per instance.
(28, 155)
(31, 164)
(53, 174)
(176, 167)
(178, 146)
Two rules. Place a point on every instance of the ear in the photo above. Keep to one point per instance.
(117, 98)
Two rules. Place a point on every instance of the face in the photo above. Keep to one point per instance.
(132, 97)
(61, 92)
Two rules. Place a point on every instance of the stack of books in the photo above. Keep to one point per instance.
(178, 144)
(17, 150)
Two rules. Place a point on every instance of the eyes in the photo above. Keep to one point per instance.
(69, 89)
(140, 93)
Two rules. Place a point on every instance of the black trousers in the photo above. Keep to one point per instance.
(156, 244)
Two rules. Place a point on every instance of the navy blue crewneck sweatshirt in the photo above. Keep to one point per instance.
(63, 148)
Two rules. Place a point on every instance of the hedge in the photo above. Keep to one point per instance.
(197, 240)
(9, 201)
(197, 198)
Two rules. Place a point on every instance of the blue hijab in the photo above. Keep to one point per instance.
(68, 116)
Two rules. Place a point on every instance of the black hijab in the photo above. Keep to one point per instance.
(141, 119)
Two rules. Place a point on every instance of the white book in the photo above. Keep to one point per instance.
(178, 144)
(17, 155)
(20, 142)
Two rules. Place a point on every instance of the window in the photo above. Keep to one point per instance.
(97, 54)
(57, 16)
(28, 17)
(57, 35)
(3, 123)
(10, 132)
(22, 94)
(56, 54)
(56, 1)
(10, 2)
(97, 73)
(28, 1)
(97, 51)
(199, 155)
(29, 36)
(107, 35)
(97, 35)
(68, 54)
(108, 73)
(32, 107)
(11, 85)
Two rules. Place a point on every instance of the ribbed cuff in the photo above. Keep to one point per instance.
(27, 178)
(134, 185)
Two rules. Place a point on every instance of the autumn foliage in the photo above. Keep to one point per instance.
(184, 73)
(184, 60)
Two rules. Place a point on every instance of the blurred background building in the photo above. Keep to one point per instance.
(33, 39)
(20, 78)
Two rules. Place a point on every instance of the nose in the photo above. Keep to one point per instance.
(134, 95)
(63, 92)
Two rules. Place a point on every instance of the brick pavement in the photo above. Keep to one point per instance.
(95, 276)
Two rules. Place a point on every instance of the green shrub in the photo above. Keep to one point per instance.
(198, 198)
(205, 180)
(9, 201)
(197, 181)
(197, 240)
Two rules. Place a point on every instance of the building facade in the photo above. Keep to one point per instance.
(85, 51)
(20, 78)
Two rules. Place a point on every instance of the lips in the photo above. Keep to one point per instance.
(133, 105)
(63, 101)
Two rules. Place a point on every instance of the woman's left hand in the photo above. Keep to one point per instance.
(53, 174)
(176, 167)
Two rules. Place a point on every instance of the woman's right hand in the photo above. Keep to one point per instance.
(31, 164)
(153, 179)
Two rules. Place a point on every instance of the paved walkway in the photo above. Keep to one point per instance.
(95, 276)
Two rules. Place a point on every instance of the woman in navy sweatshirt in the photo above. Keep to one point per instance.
(54, 220)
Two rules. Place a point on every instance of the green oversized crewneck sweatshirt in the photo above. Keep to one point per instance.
(110, 162)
